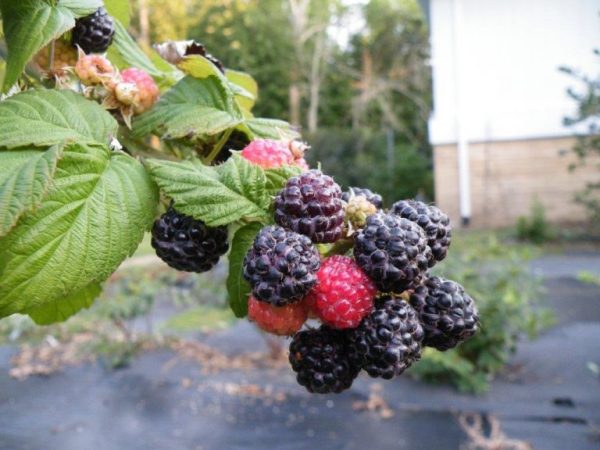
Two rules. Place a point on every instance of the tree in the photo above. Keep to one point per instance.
(242, 35)
(306, 75)
(390, 65)
(310, 22)
(587, 149)
(159, 21)
(382, 87)
(284, 49)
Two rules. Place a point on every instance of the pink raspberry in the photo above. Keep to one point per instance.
(344, 294)
(280, 320)
(146, 93)
(94, 69)
(270, 154)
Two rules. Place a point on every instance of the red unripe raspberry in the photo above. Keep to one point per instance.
(280, 320)
(270, 154)
(147, 89)
(344, 293)
(127, 93)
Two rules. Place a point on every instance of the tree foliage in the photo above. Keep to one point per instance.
(278, 48)
(587, 116)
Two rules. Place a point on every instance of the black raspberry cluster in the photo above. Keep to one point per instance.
(342, 259)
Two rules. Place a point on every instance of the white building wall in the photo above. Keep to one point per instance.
(510, 52)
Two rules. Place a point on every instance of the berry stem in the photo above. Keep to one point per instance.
(217, 148)
(138, 147)
(51, 51)
(173, 150)
(340, 247)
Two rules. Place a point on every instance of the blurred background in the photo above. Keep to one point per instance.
(489, 109)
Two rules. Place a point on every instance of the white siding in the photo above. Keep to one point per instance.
(509, 54)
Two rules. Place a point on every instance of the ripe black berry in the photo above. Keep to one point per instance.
(94, 33)
(392, 251)
(434, 222)
(388, 340)
(188, 244)
(311, 204)
(447, 313)
(371, 196)
(321, 361)
(281, 266)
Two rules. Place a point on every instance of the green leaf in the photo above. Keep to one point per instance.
(271, 129)
(61, 309)
(31, 24)
(48, 117)
(243, 80)
(120, 10)
(243, 98)
(125, 52)
(93, 217)
(244, 87)
(246, 178)
(25, 177)
(79, 8)
(277, 178)
(199, 67)
(217, 195)
(238, 288)
(192, 107)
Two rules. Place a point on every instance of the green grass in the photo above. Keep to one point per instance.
(588, 277)
(200, 318)
(492, 266)
(494, 243)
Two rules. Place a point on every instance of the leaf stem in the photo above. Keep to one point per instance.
(173, 150)
(217, 148)
(51, 51)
